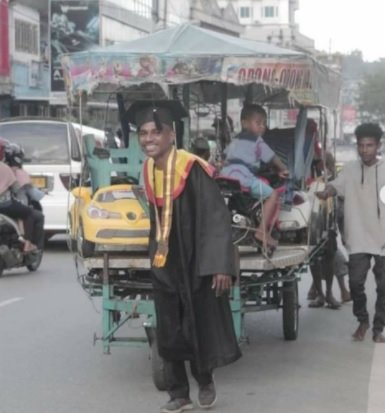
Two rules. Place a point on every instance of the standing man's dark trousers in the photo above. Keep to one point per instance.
(176, 378)
(359, 265)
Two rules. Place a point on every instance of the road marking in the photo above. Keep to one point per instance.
(10, 301)
(376, 397)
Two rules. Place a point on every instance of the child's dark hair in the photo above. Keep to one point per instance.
(368, 130)
(250, 109)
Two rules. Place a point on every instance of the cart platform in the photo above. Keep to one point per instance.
(250, 259)
(134, 261)
(284, 256)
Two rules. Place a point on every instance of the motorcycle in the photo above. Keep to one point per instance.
(12, 244)
(12, 254)
(246, 211)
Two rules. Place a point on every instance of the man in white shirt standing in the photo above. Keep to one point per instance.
(360, 183)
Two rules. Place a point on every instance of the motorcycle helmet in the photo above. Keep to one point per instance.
(3, 148)
(14, 155)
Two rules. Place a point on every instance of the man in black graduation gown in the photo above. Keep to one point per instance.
(192, 257)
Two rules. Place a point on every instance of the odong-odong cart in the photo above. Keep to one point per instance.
(198, 66)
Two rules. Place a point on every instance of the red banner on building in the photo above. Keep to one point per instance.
(4, 39)
(349, 113)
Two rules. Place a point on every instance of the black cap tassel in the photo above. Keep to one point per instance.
(157, 121)
(362, 174)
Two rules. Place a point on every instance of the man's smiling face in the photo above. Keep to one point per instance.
(367, 150)
(156, 143)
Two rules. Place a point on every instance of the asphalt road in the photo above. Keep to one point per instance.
(48, 363)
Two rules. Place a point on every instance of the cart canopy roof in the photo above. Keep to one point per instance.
(191, 40)
(189, 54)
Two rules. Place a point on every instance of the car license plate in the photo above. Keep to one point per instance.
(39, 181)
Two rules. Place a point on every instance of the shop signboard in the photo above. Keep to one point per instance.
(74, 27)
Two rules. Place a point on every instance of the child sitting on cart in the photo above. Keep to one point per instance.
(243, 158)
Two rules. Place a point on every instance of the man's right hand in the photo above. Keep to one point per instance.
(221, 283)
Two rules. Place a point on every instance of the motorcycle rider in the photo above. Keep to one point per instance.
(9, 205)
(27, 193)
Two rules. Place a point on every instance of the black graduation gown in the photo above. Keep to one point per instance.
(192, 323)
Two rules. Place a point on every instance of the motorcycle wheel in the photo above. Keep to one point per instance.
(34, 261)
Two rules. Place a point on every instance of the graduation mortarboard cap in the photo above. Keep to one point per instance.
(158, 111)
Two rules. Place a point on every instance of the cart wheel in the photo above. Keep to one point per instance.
(157, 368)
(290, 310)
(85, 248)
(72, 244)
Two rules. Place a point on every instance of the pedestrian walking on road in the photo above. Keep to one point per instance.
(332, 262)
(192, 258)
(360, 183)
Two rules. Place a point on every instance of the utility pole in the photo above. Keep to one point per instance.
(165, 7)
(155, 14)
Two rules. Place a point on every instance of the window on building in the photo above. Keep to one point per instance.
(245, 12)
(26, 37)
(109, 42)
(270, 11)
(142, 7)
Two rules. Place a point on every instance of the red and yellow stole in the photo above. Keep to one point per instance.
(162, 187)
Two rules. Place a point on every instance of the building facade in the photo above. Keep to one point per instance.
(5, 64)
(29, 66)
(272, 21)
(34, 33)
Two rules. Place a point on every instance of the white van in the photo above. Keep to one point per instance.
(52, 158)
(99, 134)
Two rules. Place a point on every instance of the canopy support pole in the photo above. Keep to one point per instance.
(122, 117)
(223, 115)
(185, 141)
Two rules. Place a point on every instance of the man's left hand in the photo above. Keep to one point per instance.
(284, 174)
(221, 283)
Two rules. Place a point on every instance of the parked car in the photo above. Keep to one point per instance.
(99, 134)
(52, 158)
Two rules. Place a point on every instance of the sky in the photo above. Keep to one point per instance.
(345, 25)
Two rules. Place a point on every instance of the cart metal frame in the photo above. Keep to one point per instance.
(124, 284)
(125, 287)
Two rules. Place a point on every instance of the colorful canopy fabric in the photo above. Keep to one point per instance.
(189, 54)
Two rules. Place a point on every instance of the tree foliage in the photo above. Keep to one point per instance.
(371, 98)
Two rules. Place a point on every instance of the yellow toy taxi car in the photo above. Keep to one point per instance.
(114, 218)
